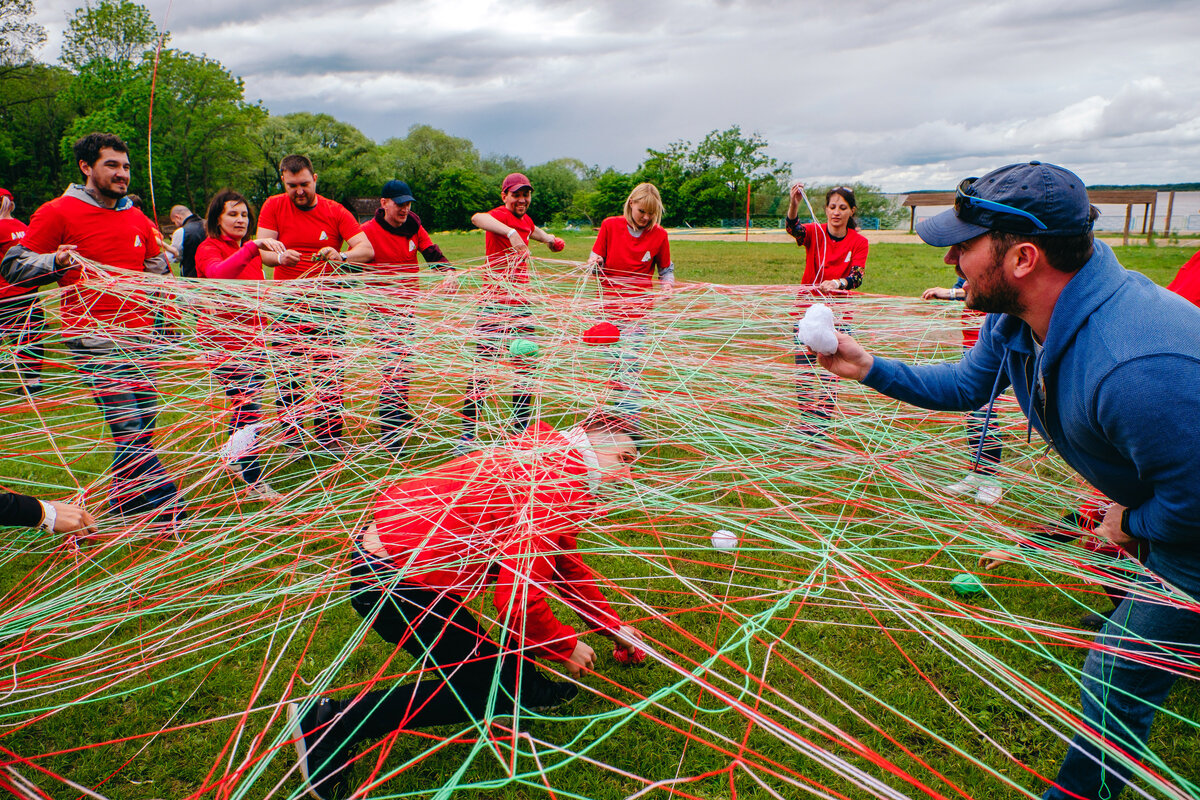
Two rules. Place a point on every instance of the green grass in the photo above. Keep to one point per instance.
(832, 649)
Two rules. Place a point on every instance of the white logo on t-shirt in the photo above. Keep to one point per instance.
(137, 240)
(18, 235)
(646, 257)
(411, 245)
(323, 237)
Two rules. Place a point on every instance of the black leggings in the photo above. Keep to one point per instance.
(460, 664)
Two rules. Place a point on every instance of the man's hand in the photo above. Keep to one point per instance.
(1110, 528)
(556, 245)
(328, 254)
(290, 258)
(73, 520)
(937, 293)
(583, 657)
(518, 244)
(850, 360)
(62, 256)
(994, 558)
(626, 638)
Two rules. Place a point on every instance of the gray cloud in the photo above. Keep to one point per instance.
(904, 95)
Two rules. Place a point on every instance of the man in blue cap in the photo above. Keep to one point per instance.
(397, 235)
(1084, 344)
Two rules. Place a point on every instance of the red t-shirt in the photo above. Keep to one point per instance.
(327, 224)
(629, 266)
(504, 514)
(829, 259)
(11, 232)
(1186, 283)
(502, 262)
(396, 254)
(232, 323)
(121, 239)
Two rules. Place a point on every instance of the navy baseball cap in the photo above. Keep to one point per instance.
(397, 192)
(1035, 198)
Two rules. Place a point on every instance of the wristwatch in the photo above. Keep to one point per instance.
(1125, 523)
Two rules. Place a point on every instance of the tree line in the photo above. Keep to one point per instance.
(206, 136)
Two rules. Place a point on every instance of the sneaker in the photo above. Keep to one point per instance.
(542, 695)
(262, 492)
(322, 764)
(989, 492)
(968, 485)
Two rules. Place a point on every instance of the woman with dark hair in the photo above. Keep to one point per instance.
(235, 330)
(835, 259)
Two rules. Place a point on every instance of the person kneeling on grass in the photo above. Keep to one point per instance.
(507, 514)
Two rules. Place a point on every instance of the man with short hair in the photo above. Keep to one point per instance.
(189, 233)
(397, 236)
(1083, 343)
(110, 335)
(313, 228)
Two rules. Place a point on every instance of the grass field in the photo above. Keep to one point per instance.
(826, 654)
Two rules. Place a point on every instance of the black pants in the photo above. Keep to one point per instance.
(23, 326)
(498, 326)
(461, 666)
(243, 383)
(310, 346)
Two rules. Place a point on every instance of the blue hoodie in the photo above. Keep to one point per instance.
(1115, 390)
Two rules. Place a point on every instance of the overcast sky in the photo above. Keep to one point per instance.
(904, 95)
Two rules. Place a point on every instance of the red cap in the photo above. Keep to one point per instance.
(602, 333)
(514, 181)
(6, 193)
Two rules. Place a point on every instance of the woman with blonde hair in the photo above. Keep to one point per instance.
(629, 250)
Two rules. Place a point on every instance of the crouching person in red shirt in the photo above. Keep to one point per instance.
(507, 515)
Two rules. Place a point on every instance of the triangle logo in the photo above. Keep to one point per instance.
(646, 257)
(137, 240)
(324, 237)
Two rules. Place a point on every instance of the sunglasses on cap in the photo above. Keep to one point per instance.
(978, 211)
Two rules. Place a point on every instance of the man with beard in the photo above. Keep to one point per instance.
(313, 228)
(1087, 347)
(110, 334)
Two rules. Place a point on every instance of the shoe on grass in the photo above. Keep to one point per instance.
(546, 695)
(989, 492)
(322, 761)
(969, 484)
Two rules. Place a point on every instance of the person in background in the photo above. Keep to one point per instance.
(236, 330)
(628, 251)
(835, 259)
(313, 229)
(189, 233)
(504, 314)
(22, 319)
(397, 236)
(110, 335)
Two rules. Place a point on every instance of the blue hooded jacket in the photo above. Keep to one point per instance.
(1115, 390)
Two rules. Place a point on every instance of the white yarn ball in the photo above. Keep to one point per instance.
(724, 540)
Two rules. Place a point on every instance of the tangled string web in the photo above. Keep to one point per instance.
(824, 652)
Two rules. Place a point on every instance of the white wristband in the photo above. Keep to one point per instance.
(49, 517)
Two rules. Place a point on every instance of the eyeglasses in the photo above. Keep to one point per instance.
(975, 210)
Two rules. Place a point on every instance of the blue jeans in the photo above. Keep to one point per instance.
(121, 377)
(626, 368)
(1120, 696)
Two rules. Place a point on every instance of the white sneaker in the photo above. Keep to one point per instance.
(969, 484)
(263, 492)
(989, 492)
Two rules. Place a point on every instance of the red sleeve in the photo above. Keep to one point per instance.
(46, 230)
(209, 263)
(664, 254)
(152, 238)
(577, 584)
(423, 240)
(267, 217)
(861, 246)
(600, 248)
(347, 225)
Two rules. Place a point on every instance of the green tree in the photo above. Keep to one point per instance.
(348, 164)
(20, 38)
(460, 193)
(119, 32)
(607, 196)
(420, 158)
(871, 204)
(555, 184)
(34, 115)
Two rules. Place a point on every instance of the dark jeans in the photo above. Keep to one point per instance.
(496, 328)
(243, 383)
(394, 338)
(992, 450)
(310, 346)
(1120, 696)
(121, 377)
(23, 327)
(462, 669)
